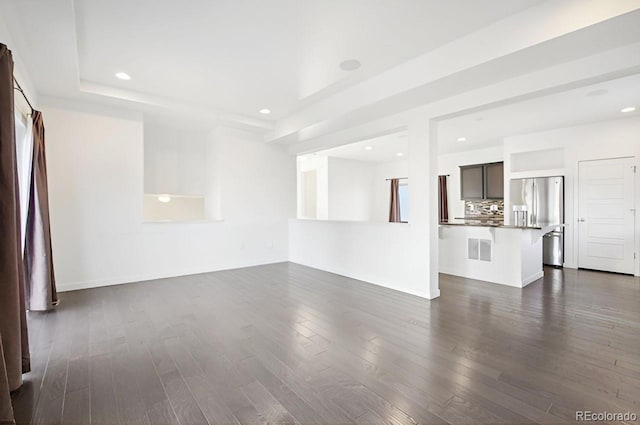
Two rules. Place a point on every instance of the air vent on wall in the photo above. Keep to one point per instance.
(479, 249)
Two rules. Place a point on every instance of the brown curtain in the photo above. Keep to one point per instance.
(13, 324)
(443, 203)
(394, 206)
(6, 410)
(41, 285)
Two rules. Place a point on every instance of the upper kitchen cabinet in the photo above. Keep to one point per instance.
(472, 182)
(482, 181)
(494, 181)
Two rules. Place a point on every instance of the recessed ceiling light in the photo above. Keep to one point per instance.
(598, 92)
(164, 198)
(628, 109)
(265, 111)
(350, 65)
(123, 76)
(399, 154)
(462, 139)
(368, 148)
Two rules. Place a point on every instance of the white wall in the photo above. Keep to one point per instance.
(373, 249)
(450, 164)
(19, 69)
(174, 159)
(378, 253)
(350, 189)
(319, 163)
(610, 139)
(95, 164)
(395, 255)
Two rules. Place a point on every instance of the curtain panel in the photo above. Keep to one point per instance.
(24, 154)
(394, 206)
(40, 280)
(443, 203)
(13, 325)
(6, 410)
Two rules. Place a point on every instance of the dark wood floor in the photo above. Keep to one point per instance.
(289, 344)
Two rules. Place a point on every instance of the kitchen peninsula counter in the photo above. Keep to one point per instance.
(492, 251)
(546, 227)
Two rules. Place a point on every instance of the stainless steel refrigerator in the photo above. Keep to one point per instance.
(544, 198)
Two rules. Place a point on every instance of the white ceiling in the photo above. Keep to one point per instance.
(217, 62)
(598, 102)
(237, 56)
(383, 149)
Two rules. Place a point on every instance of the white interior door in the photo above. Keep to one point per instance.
(606, 215)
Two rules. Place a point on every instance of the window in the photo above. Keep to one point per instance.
(403, 197)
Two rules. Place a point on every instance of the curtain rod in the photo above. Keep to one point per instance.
(23, 93)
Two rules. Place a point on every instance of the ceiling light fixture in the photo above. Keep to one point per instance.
(164, 198)
(368, 148)
(123, 76)
(462, 139)
(399, 154)
(350, 65)
(628, 109)
(265, 111)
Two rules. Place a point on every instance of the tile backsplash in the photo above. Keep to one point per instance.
(484, 207)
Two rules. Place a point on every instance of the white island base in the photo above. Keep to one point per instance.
(505, 255)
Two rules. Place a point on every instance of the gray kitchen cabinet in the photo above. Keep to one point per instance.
(494, 181)
(482, 181)
(471, 182)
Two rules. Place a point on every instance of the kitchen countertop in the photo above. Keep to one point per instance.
(480, 217)
(478, 223)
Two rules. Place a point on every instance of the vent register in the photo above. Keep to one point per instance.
(479, 249)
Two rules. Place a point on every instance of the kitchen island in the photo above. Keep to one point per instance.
(504, 254)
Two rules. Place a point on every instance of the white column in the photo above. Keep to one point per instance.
(423, 206)
(433, 211)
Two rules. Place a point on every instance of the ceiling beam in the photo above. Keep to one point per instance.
(200, 112)
(542, 36)
(612, 64)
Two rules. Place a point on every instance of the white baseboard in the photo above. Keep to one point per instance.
(532, 278)
(366, 280)
(513, 284)
(74, 286)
